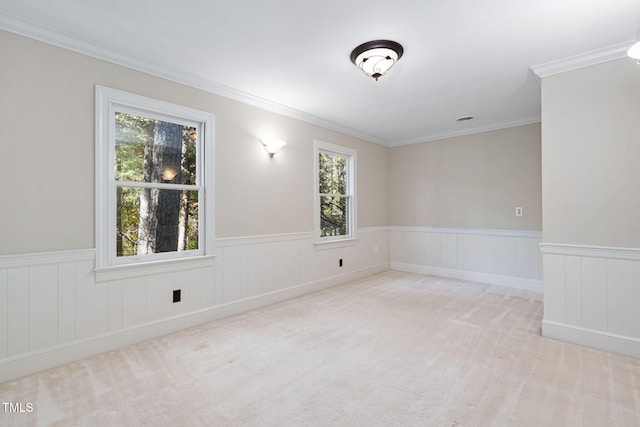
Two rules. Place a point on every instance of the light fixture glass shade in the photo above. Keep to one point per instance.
(376, 62)
(272, 145)
(376, 57)
(634, 52)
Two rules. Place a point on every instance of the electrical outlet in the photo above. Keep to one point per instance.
(177, 295)
(519, 211)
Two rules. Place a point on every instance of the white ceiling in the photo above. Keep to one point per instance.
(462, 57)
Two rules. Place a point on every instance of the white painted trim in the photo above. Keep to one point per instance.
(490, 279)
(256, 240)
(630, 254)
(224, 242)
(600, 340)
(285, 237)
(151, 66)
(587, 59)
(472, 231)
(85, 46)
(46, 258)
(373, 229)
(26, 364)
(57, 257)
(124, 271)
(468, 131)
(334, 244)
(107, 102)
(352, 196)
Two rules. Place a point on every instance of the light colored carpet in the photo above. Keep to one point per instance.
(392, 349)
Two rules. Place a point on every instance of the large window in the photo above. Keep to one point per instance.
(334, 192)
(152, 176)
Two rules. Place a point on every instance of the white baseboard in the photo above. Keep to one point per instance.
(29, 363)
(600, 340)
(491, 279)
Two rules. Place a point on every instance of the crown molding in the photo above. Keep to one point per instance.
(95, 49)
(77, 43)
(587, 59)
(469, 131)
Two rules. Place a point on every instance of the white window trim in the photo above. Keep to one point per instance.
(319, 146)
(108, 266)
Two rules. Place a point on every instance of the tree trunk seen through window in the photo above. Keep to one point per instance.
(184, 196)
(160, 209)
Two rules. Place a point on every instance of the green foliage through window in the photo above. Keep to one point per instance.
(334, 197)
(157, 197)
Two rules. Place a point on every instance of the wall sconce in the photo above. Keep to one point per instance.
(272, 145)
(634, 52)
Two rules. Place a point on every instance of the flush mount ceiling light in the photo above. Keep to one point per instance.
(634, 52)
(376, 57)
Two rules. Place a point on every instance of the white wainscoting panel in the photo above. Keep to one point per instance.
(53, 311)
(4, 314)
(505, 257)
(18, 315)
(42, 289)
(591, 296)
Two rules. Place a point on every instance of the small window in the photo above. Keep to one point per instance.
(152, 178)
(335, 192)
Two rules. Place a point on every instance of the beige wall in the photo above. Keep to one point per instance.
(47, 160)
(591, 203)
(591, 155)
(472, 181)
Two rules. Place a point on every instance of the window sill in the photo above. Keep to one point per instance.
(125, 271)
(333, 244)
